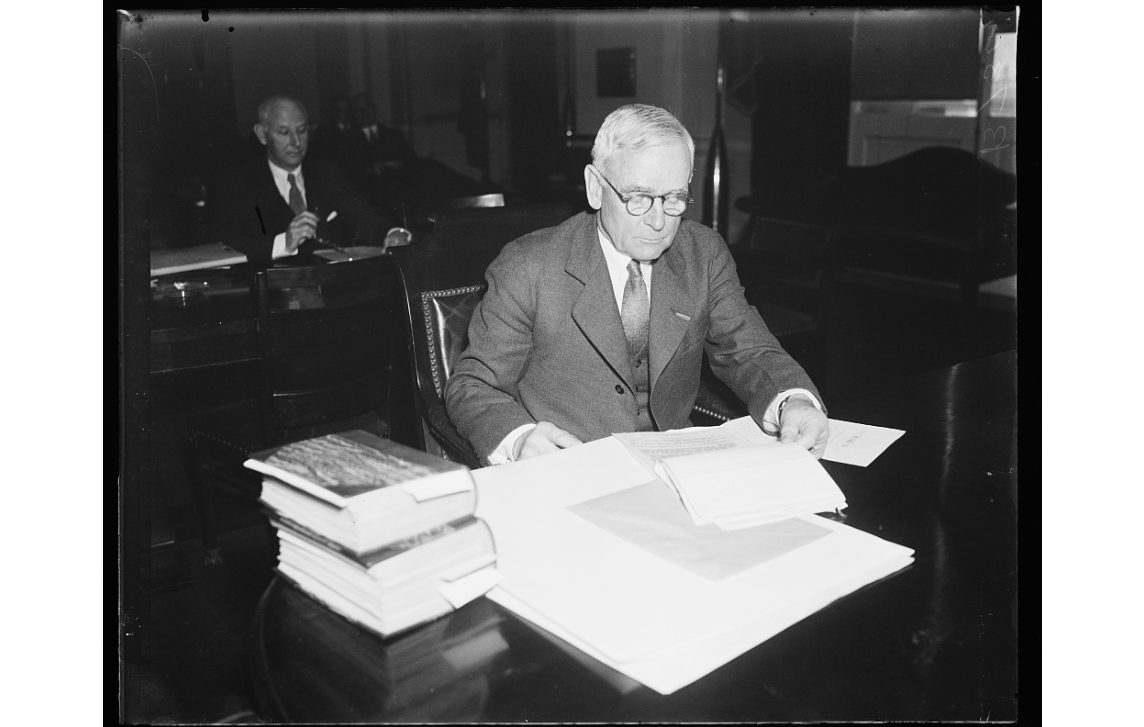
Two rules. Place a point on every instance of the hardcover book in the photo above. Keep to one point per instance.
(397, 587)
(361, 491)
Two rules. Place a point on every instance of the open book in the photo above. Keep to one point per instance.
(728, 477)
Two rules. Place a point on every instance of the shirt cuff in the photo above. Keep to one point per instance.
(503, 453)
(279, 249)
(771, 416)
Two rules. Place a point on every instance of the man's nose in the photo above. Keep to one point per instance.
(295, 139)
(655, 217)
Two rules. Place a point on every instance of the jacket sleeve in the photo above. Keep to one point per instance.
(366, 225)
(238, 222)
(481, 397)
(742, 351)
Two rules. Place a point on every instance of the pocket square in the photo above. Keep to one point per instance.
(686, 318)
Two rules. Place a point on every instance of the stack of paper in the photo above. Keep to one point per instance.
(747, 486)
(593, 549)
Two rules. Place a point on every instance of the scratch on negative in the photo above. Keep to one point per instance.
(153, 84)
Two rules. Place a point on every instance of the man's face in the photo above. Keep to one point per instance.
(285, 135)
(656, 170)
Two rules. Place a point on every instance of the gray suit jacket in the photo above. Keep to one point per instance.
(546, 342)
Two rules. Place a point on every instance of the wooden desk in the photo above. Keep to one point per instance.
(936, 641)
(217, 326)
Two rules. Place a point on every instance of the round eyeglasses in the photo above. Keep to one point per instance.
(637, 204)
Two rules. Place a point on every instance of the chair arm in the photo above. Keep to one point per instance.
(715, 401)
(447, 436)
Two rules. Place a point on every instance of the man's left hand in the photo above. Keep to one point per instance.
(804, 424)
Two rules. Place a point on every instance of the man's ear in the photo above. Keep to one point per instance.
(260, 132)
(593, 188)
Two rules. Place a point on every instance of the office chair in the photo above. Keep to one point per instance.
(442, 281)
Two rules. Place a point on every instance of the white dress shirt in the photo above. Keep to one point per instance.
(283, 185)
(618, 272)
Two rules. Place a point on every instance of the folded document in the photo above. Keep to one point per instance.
(725, 480)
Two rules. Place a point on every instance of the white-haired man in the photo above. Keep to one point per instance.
(268, 207)
(599, 325)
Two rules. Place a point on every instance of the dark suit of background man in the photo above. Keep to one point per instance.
(267, 207)
(337, 138)
(377, 155)
(568, 343)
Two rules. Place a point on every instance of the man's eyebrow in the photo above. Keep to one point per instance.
(638, 189)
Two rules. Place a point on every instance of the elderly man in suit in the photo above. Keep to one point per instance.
(599, 325)
(268, 207)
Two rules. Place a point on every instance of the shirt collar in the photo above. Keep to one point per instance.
(618, 267)
(282, 183)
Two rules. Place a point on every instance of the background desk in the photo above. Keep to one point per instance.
(936, 641)
(215, 327)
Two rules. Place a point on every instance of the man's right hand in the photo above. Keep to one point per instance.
(302, 228)
(544, 438)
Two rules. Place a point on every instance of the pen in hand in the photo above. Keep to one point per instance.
(326, 243)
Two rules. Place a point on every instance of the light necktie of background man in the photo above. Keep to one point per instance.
(297, 204)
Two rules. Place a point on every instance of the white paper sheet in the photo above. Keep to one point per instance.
(858, 444)
(849, 442)
(464, 589)
(638, 612)
(736, 480)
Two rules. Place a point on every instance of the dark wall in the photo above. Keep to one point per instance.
(534, 118)
(800, 123)
(929, 53)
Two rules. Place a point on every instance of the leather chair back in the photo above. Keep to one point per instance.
(442, 281)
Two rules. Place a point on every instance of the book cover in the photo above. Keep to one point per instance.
(341, 468)
(372, 558)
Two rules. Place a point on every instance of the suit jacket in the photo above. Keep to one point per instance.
(248, 212)
(546, 342)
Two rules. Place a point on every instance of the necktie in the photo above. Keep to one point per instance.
(296, 202)
(634, 312)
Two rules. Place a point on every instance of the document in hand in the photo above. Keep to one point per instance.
(593, 549)
(734, 484)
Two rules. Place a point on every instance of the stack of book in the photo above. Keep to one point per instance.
(379, 532)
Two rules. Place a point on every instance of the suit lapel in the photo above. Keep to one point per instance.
(272, 211)
(669, 300)
(595, 309)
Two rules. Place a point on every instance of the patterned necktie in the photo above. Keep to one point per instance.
(634, 312)
(296, 202)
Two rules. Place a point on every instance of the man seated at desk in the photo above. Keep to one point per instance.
(599, 325)
(266, 208)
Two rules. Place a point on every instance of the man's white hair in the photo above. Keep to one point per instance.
(634, 127)
(265, 106)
